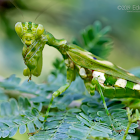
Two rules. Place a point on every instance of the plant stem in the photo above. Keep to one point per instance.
(126, 131)
(47, 112)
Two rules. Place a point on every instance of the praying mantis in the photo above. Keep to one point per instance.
(98, 74)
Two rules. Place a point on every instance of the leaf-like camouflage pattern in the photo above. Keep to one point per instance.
(88, 60)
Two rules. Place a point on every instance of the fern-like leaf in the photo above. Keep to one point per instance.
(19, 115)
(57, 126)
(95, 40)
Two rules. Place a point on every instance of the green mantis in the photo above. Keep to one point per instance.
(108, 79)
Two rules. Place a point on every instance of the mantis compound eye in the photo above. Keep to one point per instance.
(40, 30)
(18, 28)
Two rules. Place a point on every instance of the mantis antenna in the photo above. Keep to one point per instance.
(17, 8)
(44, 9)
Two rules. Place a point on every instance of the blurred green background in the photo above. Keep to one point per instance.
(65, 19)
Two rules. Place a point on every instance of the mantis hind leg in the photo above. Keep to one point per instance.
(90, 87)
(96, 84)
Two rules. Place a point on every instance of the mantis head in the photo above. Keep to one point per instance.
(29, 32)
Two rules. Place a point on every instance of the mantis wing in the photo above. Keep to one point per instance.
(86, 59)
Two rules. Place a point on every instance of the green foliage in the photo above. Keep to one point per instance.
(95, 40)
(59, 66)
(74, 115)
(3, 97)
(19, 115)
(6, 138)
